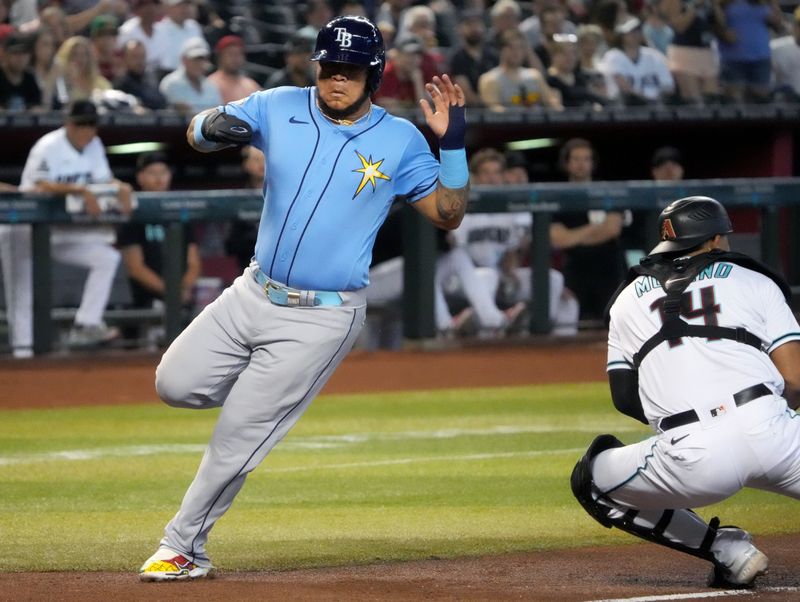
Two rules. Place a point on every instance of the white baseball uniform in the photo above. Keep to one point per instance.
(731, 443)
(648, 75)
(488, 236)
(54, 159)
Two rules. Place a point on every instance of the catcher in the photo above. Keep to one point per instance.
(704, 348)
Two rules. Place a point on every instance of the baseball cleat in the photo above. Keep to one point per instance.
(741, 573)
(166, 565)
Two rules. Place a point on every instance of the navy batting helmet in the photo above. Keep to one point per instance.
(687, 222)
(353, 40)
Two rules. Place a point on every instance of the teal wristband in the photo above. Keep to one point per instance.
(197, 134)
(453, 170)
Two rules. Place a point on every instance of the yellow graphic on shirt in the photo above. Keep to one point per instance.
(369, 173)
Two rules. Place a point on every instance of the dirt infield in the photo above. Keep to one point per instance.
(565, 575)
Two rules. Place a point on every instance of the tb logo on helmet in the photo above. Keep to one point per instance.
(343, 37)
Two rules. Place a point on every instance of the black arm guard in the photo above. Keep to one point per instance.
(625, 393)
(221, 127)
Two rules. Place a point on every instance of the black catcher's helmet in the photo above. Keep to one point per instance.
(353, 40)
(687, 222)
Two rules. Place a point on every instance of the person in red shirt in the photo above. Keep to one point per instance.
(405, 75)
(232, 83)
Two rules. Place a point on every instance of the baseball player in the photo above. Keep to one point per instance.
(72, 161)
(703, 347)
(267, 345)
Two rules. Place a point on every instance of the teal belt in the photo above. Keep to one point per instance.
(286, 296)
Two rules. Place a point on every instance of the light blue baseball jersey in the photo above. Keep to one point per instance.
(329, 187)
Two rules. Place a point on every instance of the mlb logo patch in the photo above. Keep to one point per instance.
(718, 411)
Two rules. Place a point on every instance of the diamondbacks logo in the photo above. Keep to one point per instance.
(369, 173)
(343, 37)
(667, 231)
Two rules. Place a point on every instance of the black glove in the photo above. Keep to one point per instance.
(227, 129)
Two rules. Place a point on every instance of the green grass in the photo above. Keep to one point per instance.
(360, 478)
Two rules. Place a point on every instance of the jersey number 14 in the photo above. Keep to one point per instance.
(707, 309)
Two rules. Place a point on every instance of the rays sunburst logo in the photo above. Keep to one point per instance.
(370, 173)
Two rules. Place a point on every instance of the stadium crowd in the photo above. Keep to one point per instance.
(551, 55)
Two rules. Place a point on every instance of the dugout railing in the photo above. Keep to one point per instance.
(777, 201)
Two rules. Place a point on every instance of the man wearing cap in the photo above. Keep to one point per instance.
(170, 33)
(187, 88)
(635, 74)
(141, 244)
(18, 88)
(297, 72)
(786, 60)
(667, 165)
(228, 78)
(405, 75)
(103, 32)
(704, 348)
(68, 161)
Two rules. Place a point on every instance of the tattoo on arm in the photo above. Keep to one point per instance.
(451, 203)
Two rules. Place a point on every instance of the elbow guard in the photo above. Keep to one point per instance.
(625, 393)
(225, 129)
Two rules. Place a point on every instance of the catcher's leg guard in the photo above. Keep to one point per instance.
(680, 529)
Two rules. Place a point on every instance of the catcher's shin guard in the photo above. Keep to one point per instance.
(680, 530)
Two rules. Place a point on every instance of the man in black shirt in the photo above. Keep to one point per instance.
(594, 263)
(136, 80)
(18, 88)
(474, 57)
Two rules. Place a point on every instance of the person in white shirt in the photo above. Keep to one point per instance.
(68, 161)
(141, 27)
(786, 59)
(172, 32)
(187, 88)
(635, 73)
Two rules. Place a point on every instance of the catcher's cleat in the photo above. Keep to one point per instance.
(167, 565)
(741, 573)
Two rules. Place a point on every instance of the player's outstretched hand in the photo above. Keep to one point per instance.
(445, 94)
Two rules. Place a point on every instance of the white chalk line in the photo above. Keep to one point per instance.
(293, 443)
(702, 595)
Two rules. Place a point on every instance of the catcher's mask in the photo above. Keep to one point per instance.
(353, 40)
(687, 222)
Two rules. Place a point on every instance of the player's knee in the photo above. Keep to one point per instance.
(172, 389)
(582, 482)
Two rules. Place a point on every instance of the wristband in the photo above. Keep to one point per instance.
(453, 170)
(197, 134)
(456, 129)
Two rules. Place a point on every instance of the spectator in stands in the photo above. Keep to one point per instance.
(499, 245)
(532, 26)
(593, 262)
(65, 24)
(691, 56)
(391, 11)
(420, 21)
(298, 70)
(510, 85)
(43, 63)
(142, 244)
(745, 61)
(187, 88)
(473, 57)
(635, 74)
(135, 78)
(317, 14)
(241, 239)
(141, 27)
(667, 165)
(657, 33)
(232, 83)
(786, 60)
(18, 88)
(573, 84)
(505, 17)
(352, 7)
(170, 34)
(103, 34)
(403, 82)
(608, 15)
(516, 169)
(78, 75)
(552, 23)
(591, 48)
(68, 161)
